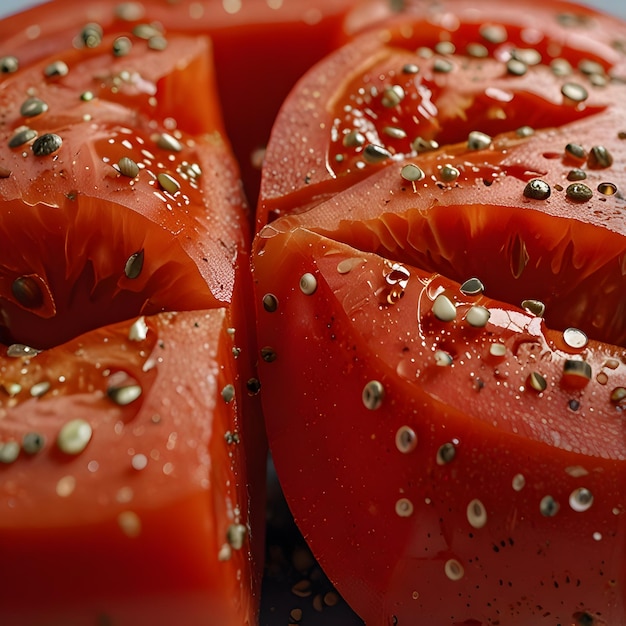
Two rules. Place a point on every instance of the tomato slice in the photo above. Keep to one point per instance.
(431, 78)
(478, 460)
(249, 40)
(439, 296)
(126, 503)
(133, 456)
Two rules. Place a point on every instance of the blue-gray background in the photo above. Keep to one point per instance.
(618, 7)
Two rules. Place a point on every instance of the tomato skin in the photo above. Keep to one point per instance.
(356, 476)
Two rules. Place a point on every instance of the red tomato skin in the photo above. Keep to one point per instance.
(386, 512)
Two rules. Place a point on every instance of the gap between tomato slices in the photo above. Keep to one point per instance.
(454, 189)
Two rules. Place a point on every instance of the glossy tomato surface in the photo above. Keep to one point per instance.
(133, 455)
(260, 50)
(439, 296)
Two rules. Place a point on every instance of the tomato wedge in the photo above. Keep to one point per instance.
(133, 453)
(249, 40)
(439, 292)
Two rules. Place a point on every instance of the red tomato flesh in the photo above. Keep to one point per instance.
(133, 457)
(453, 452)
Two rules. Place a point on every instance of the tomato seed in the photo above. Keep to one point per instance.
(308, 284)
(22, 136)
(33, 442)
(236, 535)
(449, 173)
(406, 439)
(228, 393)
(130, 523)
(56, 69)
(9, 451)
(393, 96)
(442, 358)
(537, 190)
(444, 309)
(537, 382)
(577, 372)
(534, 307)
(74, 436)
(548, 506)
(128, 167)
(121, 46)
(607, 189)
(519, 482)
(31, 107)
(476, 514)
(40, 389)
(477, 50)
(270, 302)
(573, 92)
(419, 144)
(404, 507)
(493, 33)
(579, 192)
(91, 35)
(478, 141)
(373, 153)
(472, 287)
(581, 499)
(599, 158)
(167, 142)
(9, 64)
(477, 316)
(168, 183)
(454, 570)
(27, 291)
(446, 453)
(134, 265)
(373, 394)
(412, 173)
(46, 144)
(575, 338)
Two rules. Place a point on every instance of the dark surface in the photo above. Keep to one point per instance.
(295, 589)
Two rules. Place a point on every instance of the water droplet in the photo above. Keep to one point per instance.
(575, 338)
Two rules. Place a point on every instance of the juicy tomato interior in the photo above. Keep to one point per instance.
(120, 204)
(466, 149)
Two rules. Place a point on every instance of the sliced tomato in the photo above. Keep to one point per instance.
(127, 503)
(432, 77)
(133, 455)
(250, 40)
(468, 471)
(453, 451)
